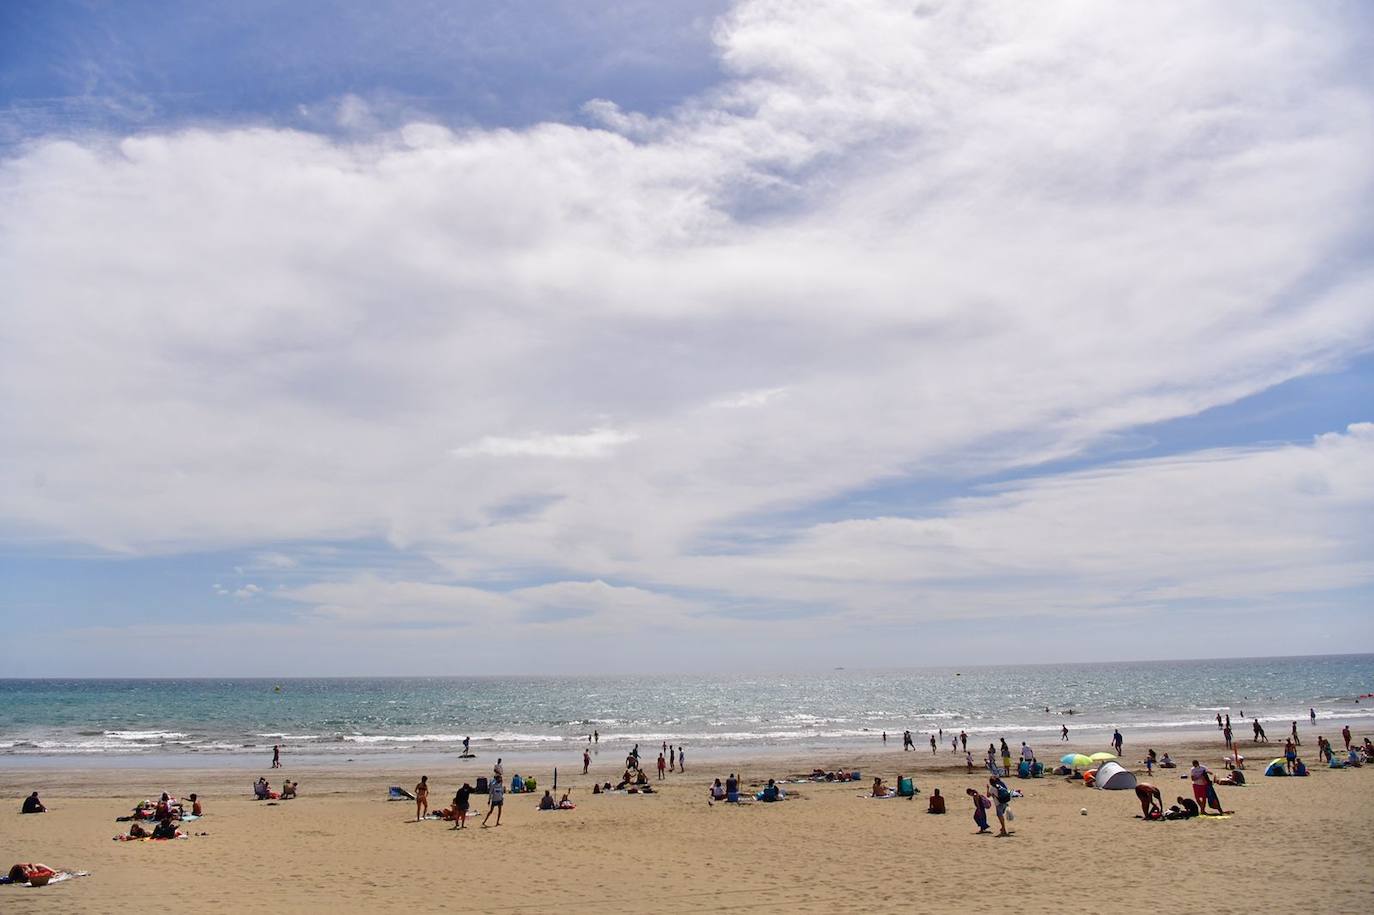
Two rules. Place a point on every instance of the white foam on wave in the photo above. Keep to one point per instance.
(145, 735)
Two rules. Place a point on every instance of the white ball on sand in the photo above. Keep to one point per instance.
(1084, 811)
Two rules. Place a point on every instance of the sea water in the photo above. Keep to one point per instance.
(191, 721)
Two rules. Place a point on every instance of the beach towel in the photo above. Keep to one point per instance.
(884, 797)
(399, 794)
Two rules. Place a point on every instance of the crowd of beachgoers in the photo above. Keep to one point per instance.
(1000, 769)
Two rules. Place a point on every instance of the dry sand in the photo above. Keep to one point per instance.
(1293, 844)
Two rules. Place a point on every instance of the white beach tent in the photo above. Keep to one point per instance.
(1112, 777)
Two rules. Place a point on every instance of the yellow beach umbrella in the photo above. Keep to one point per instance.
(1102, 757)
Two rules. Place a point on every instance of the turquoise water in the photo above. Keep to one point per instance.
(99, 720)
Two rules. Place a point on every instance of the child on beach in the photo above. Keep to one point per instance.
(980, 810)
(496, 799)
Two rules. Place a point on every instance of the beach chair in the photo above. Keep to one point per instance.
(906, 787)
(398, 794)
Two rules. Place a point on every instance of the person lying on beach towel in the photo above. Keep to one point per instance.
(27, 873)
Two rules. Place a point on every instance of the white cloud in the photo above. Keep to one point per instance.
(247, 592)
(961, 238)
(592, 444)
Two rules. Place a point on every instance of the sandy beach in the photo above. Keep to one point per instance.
(343, 847)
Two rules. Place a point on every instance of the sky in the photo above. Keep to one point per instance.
(386, 338)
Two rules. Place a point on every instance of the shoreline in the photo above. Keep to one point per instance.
(570, 754)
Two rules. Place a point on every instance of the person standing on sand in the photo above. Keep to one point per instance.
(1228, 721)
(1006, 757)
(932, 744)
(1226, 732)
(682, 759)
(1218, 721)
(998, 790)
(1063, 733)
(467, 742)
(662, 764)
(672, 752)
(1116, 740)
(1199, 775)
(953, 744)
(496, 799)
(1312, 713)
(1151, 802)
(497, 771)
(422, 798)
(596, 737)
(980, 810)
(460, 806)
(963, 738)
(968, 760)
(586, 761)
(276, 756)
(1296, 741)
(884, 738)
(1345, 735)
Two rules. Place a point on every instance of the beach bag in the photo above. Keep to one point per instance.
(481, 785)
(1003, 794)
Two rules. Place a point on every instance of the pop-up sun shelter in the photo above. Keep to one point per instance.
(1112, 777)
(1276, 768)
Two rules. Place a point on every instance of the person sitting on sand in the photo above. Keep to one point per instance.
(1189, 807)
(164, 807)
(771, 792)
(980, 809)
(1353, 758)
(1299, 768)
(196, 808)
(33, 805)
(879, 789)
(717, 791)
(936, 803)
(547, 802)
(1234, 777)
(566, 802)
(288, 791)
(517, 784)
(165, 829)
(642, 778)
(596, 789)
(137, 831)
(1166, 762)
(1151, 801)
(263, 792)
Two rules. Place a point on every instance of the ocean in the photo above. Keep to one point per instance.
(212, 721)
